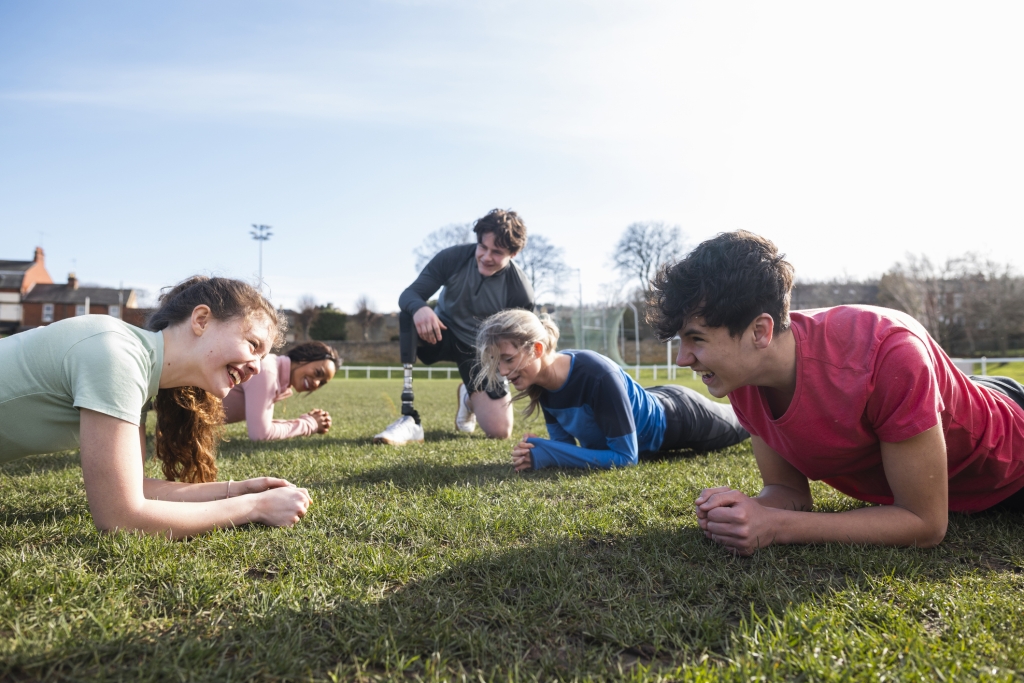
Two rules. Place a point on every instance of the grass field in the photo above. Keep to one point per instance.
(436, 561)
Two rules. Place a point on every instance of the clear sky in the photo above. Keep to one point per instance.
(139, 141)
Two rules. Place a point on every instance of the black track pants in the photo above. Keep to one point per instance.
(695, 422)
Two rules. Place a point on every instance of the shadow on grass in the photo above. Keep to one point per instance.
(429, 474)
(241, 445)
(35, 464)
(590, 607)
(662, 456)
(425, 474)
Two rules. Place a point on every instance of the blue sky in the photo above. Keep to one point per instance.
(139, 141)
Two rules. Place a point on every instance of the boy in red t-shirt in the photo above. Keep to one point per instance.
(859, 397)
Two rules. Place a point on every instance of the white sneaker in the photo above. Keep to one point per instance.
(465, 420)
(400, 432)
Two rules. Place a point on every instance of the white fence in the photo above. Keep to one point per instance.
(395, 371)
(967, 365)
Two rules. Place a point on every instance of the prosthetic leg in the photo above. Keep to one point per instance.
(407, 343)
(407, 428)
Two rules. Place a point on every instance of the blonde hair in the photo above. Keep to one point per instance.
(522, 329)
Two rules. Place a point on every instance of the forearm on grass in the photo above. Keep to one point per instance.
(116, 489)
(175, 519)
(889, 525)
(181, 492)
(916, 472)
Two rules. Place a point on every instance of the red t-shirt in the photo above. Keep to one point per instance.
(866, 375)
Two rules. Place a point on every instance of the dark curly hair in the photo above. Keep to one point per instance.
(727, 281)
(508, 229)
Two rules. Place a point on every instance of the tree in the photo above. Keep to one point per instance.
(967, 304)
(330, 324)
(442, 238)
(645, 247)
(542, 262)
(367, 318)
(306, 315)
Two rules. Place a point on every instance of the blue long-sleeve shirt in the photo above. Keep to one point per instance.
(603, 408)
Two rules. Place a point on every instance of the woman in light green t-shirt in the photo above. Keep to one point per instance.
(85, 381)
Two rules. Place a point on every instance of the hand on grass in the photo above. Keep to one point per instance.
(428, 325)
(282, 506)
(521, 458)
(257, 485)
(734, 519)
(323, 420)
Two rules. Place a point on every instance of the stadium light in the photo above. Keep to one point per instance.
(261, 233)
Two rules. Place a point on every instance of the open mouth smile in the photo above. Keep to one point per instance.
(236, 375)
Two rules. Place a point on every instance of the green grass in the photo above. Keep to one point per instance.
(1013, 370)
(436, 561)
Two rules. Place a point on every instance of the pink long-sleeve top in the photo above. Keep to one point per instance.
(253, 401)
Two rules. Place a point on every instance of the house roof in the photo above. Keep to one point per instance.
(15, 266)
(10, 280)
(62, 294)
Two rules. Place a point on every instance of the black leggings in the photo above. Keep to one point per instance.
(695, 422)
(1012, 389)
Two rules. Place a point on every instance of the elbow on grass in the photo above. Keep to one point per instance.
(932, 535)
(116, 520)
(933, 538)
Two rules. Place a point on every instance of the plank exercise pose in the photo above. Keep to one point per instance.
(85, 381)
(586, 397)
(307, 367)
(859, 397)
(478, 280)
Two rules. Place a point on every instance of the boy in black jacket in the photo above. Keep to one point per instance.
(478, 280)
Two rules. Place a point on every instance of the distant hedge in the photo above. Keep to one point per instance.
(329, 325)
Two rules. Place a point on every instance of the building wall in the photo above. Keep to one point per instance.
(32, 313)
(10, 306)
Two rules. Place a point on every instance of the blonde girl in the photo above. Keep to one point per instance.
(587, 398)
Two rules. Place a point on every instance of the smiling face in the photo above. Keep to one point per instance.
(490, 258)
(520, 366)
(724, 362)
(230, 351)
(312, 375)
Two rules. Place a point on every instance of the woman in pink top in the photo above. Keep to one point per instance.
(306, 367)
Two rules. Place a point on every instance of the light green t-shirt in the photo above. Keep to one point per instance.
(91, 361)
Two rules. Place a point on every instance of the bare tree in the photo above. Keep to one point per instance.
(990, 300)
(367, 318)
(645, 247)
(967, 303)
(442, 238)
(306, 315)
(544, 267)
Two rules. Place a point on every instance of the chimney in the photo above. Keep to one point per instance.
(72, 281)
(39, 256)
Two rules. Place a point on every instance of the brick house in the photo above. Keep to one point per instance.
(18, 278)
(48, 303)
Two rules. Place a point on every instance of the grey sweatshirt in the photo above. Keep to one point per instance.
(468, 297)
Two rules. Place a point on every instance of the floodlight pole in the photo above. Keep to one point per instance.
(261, 233)
(583, 323)
(636, 336)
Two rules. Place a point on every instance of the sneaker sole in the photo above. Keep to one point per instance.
(394, 442)
(458, 402)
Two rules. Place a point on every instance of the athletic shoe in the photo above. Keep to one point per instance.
(400, 432)
(465, 420)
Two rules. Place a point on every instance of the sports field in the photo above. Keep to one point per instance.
(436, 561)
